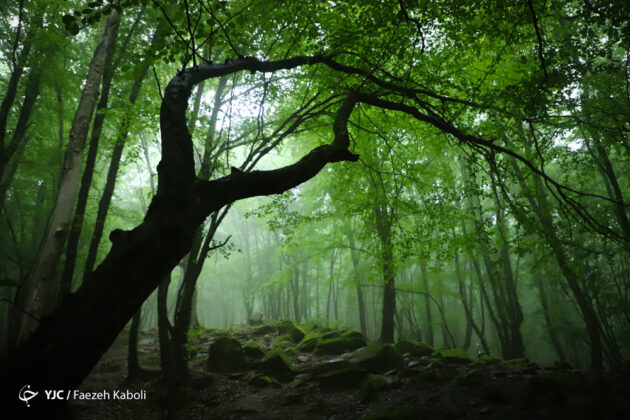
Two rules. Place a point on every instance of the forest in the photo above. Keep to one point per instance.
(269, 209)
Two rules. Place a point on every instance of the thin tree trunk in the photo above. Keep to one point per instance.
(112, 172)
(543, 213)
(45, 267)
(88, 172)
(427, 305)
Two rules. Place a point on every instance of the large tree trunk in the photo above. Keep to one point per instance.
(114, 165)
(41, 284)
(90, 163)
(69, 343)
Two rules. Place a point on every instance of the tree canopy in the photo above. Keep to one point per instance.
(449, 170)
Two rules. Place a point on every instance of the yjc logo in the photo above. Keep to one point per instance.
(26, 394)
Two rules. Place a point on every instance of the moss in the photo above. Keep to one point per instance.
(277, 365)
(414, 348)
(489, 360)
(253, 350)
(338, 345)
(310, 341)
(522, 361)
(452, 355)
(226, 355)
(422, 376)
(342, 379)
(264, 329)
(282, 342)
(377, 357)
(289, 328)
(264, 381)
(370, 387)
(329, 366)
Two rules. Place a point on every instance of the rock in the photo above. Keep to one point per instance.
(263, 330)
(277, 365)
(226, 355)
(377, 357)
(452, 355)
(342, 379)
(289, 328)
(414, 348)
(282, 342)
(520, 362)
(339, 345)
(370, 387)
(263, 381)
(329, 366)
(253, 350)
(489, 360)
(310, 341)
(256, 318)
(424, 376)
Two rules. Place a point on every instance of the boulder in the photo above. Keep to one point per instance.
(329, 365)
(370, 387)
(263, 381)
(263, 330)
(414, 348)
(277, 365)
(377, 358)
(342, 379)
(310, 341)
(339, 345)
(452, 356)
(253, 350)
(289, 328)
(256, 318)
(226, 355)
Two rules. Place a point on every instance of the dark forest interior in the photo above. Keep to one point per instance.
(272, 209)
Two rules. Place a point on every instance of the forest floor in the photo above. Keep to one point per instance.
(420, 387)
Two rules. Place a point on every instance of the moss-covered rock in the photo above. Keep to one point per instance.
(342, 379)
(370, 387)
(289, 328)
(263, 330)
(282, 342)
(253, 350)
(425, 375)
(452, 355)
(329, 365)
(521, 362)
(310, 341)
(414, 348)
(339, 345)
(256, 318)
(489, 360)
(377, 357)
(263, 381)
(226, 355)
(277, 365)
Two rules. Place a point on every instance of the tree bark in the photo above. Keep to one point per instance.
(111, 65)
(541, 209)
(38, 303)
(112, 172)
